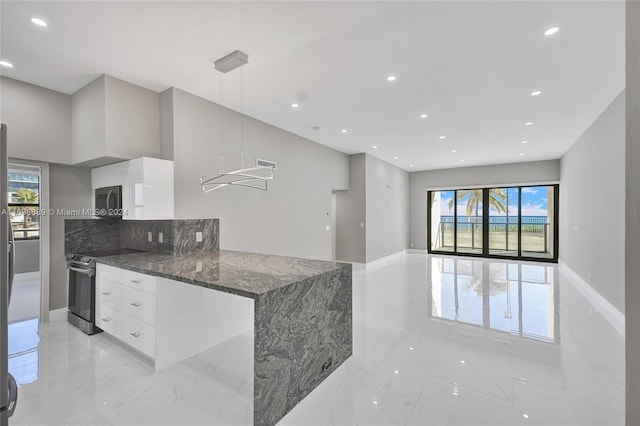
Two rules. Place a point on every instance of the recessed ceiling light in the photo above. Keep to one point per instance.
(525, 415)
(454, 150)
(396, 371)
(462, 161)
(442, 137)
(39, 22)
(525, 142)
(423, 115)
(375, 147)
(536, 93)
(410, 348)
(522, 153)
(344, 130)
(551, 31)
(410, 165)
(375, 402)
(391, 78)
(529, 123)
(6, 64)
(395, 158)
(294, 105)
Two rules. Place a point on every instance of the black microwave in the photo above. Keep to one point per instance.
(108, 201)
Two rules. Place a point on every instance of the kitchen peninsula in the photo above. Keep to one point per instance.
(302, 309)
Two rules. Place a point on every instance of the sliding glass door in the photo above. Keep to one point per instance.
(507, 222)
(504, 216)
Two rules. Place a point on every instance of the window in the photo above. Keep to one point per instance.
(507, 222)
(24, 201)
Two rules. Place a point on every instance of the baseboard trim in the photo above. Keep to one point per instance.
(602, 305)
(415, 251)
(58, 315)
(26, 276)
(384, 261)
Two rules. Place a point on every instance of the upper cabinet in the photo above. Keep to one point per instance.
(113, 120)
(147, 187)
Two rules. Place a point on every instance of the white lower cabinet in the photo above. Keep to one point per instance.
(109, 319)
(166, 320)
(140, 335)
(126, 307)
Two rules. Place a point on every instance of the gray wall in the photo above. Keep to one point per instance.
(387, 208)
(113, 119)
(70, 188)
(288, 219)
(27, 256)
(351, 213)
(88, 122)
(482, 176)
(132, 116)
(166, 124)
(592, 198)
(38, 121)
(633, 214)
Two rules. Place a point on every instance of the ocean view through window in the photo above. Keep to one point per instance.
(506, 222)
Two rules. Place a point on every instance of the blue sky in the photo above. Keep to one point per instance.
(534, 202)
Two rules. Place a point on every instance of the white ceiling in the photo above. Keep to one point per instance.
(470, 65)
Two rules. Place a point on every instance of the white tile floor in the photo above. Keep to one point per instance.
(437, 341)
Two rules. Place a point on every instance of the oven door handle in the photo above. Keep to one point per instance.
(81, 270)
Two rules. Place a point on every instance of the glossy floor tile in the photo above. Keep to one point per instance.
(438, 340)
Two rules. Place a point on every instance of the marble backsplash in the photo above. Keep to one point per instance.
(178, 236)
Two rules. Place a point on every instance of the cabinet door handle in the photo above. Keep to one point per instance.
(135, 281)
(135, 334)
(106, 319)
(135, 304)
(106, 293)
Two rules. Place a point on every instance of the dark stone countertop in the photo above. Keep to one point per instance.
(244, 274)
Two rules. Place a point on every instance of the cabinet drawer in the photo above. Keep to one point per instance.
(109, 272)
(140, 281)
(109, 320)
(108, 293)
(139, 335)
(139, 305)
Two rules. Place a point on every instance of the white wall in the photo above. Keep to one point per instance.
(288, 219)
(633, 214)
(351, 214)
(592, 199)
(38, 121)
(387, 209)
(536, 172)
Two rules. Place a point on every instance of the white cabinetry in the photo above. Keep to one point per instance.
(126, 310)
(147, 186)
(167, 320)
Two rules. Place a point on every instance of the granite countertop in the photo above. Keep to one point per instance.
(244, 274)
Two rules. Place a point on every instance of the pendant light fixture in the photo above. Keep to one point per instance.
(252, 177)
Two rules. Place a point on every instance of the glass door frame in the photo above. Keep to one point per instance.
(554, 214)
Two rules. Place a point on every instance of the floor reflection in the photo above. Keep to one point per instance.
(24, 356)
(521, 299)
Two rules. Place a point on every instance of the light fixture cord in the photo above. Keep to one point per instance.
(221, 90)
(242, 117)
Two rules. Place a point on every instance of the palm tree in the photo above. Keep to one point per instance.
(26, 196)
(497, 200)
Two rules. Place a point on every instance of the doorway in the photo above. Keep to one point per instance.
(24, 196)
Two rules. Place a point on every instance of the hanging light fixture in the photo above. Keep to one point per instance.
(252, 177)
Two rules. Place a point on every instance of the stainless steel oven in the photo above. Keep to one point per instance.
(82, 293)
